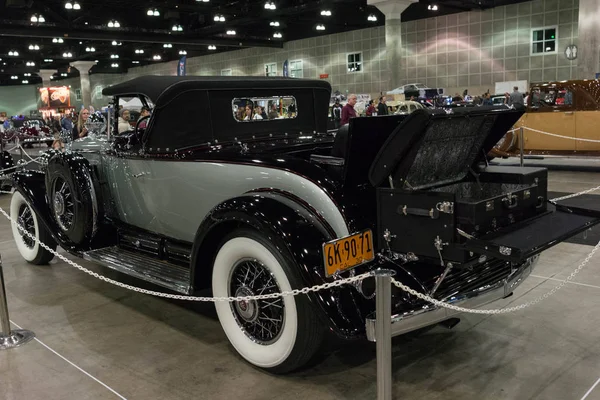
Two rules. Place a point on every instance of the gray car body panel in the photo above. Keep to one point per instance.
(172, 198)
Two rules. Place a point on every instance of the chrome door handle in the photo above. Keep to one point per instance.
(140, 174)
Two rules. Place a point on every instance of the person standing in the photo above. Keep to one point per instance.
(516, 99)
(371, 110)
(382, 108)
(348, 110)
(336, 113)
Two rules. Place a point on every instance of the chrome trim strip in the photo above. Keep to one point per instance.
(431, 314)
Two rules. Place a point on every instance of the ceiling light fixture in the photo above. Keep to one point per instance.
(372, 18)
(27, 74)
(69, 5)
(320, 27)
(182, 52)
(269, 5)
(135, 62)
(48, 60)
(14, 77)
(76, 6)
(432, 7)
(25, 82)
(35, 18)
(114, 24)
(156, 57)
(212, 47)
(63, 74)
(204, 1)
(326, 13)
(231, 32)
(57, 40)
(167, 45)
(113, 56)
(114, 65)
(90, 49)
(177, 28)
(67, 55)
(219, 18)
(30, 64)
(153, 12)
(13, 53)
(34, 47)
(277, 35)
(138, 51)
(274, 23)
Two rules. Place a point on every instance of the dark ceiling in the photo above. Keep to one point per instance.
(88, 28)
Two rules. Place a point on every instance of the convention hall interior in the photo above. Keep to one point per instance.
(312, 199)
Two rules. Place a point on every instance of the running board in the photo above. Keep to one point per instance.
(143, 267)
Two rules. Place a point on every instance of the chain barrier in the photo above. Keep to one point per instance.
(294, 292)
(554, 134)
(316, 288)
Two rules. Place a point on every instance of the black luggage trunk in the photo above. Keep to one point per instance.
(438, 198)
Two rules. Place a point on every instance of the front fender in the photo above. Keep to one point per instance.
(298, 235)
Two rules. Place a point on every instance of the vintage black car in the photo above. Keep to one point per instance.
(234, 184)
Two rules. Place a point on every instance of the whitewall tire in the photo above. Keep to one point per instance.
(25, 216)
(279, 335)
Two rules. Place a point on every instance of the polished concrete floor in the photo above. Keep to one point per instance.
(98, 341)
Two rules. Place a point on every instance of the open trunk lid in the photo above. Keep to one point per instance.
(434, 147)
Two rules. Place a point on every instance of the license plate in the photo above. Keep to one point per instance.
(348, 252)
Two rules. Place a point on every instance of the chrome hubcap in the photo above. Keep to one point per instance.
(59, 204)
(63, 205)
(248, 310)
(261, 320)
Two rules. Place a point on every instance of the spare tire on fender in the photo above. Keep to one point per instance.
(72, 196)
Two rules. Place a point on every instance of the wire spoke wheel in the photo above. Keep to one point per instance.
(63, 204)
(25, 219)
(263, 320)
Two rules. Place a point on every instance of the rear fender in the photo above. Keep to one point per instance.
(299, 235)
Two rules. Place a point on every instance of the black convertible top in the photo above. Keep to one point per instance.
(154, 86)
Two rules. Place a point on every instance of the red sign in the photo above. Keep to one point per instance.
(53, 97)
(324, 76)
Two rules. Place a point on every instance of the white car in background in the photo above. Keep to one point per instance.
(417, 90)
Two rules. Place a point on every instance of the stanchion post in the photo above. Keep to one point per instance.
(8, 338)
(521, 142)
(383, 332)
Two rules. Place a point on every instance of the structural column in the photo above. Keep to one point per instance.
(588, 54)
(84, 75)
(46, 74)
(392, 9)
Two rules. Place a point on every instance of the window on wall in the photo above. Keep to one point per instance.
(544, 40)
(226, 72)
(271, 69)
(296, 70)
(355, 62)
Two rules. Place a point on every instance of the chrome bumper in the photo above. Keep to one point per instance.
(431, 314)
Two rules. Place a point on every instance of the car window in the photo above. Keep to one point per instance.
(256, 109)
(551, 96)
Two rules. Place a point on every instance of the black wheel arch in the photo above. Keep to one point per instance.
(296, 232)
